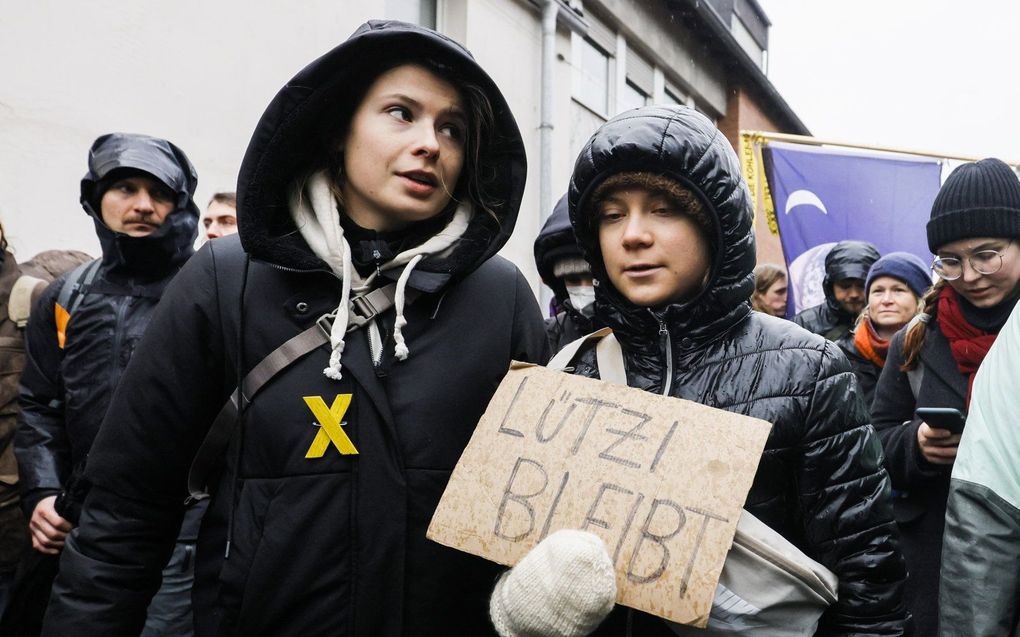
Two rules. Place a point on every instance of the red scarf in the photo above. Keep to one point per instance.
(870, 345)
(967, 343)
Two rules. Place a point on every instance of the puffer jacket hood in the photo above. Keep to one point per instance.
(847, 260)
(682, 144)
(289, 140)
(172, 243)
(554, 242)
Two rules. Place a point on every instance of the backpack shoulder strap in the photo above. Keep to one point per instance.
(72, 292)
(76, 286)
(19, 305)
(364, 309)
(222, 428)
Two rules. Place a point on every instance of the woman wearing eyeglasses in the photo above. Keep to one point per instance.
(974, 232)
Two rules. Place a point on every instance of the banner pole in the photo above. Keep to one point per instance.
(814, 141)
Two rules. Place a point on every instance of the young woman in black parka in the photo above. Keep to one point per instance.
(659, 207)
(974, 231)
(392, 159)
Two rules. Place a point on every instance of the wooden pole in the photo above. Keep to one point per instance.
(814, 141)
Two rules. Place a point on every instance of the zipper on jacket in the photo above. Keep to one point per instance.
(375, 344)
(118, 338)
(667, 349)
(284, 268)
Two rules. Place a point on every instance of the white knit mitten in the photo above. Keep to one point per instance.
(564, 587)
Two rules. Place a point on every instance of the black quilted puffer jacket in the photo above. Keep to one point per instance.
(820, 483)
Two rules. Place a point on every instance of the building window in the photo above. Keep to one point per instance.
(420, 12)
(591, 75)
(747, 42)
(673, 96)
(639, 83)
(632, 97)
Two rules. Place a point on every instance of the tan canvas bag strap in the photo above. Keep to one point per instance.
(565, 357)
(610, 359)
(607, 353)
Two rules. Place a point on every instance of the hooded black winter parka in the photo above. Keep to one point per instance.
(846, 260)
(65, 390)
(820, 482)
(294, 546)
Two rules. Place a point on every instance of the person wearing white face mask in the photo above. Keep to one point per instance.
(564, 269)
(580, 288)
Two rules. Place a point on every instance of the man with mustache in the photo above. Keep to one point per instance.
(846, 267)
(79, 339)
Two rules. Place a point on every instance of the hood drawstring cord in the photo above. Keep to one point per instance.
(339, 327)
(317, 218)
(400, 322)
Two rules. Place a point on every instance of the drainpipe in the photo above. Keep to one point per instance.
(550, 8)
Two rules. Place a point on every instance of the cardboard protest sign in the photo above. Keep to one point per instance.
(661, 480)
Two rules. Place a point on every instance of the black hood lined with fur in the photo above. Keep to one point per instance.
(289, 140)
(679, 143)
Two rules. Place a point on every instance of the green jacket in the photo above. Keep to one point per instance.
(980, 587)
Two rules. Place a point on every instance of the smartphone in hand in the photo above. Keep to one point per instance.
(942, 418)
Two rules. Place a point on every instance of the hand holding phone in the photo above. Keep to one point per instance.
(938, 437)
(942, 418)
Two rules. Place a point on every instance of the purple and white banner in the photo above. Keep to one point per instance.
(823, 196)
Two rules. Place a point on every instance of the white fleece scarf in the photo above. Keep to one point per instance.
(314, 211)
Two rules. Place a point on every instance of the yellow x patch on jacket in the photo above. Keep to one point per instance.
(330, 430)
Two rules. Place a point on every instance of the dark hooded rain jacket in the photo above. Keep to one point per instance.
(846, 260)
(66, 387)
(333, 545)
(820, 482)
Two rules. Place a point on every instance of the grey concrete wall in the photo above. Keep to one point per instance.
(651, 29)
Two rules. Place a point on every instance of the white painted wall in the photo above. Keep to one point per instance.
(200, 74)
(197, 73)
(506, 39)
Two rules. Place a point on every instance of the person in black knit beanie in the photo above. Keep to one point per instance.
(974, 232)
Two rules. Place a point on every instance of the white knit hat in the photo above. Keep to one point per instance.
(571, 265)
(564, 587)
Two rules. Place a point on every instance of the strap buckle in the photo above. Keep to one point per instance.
(366, 307)
(362, 310)
(325, 323)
